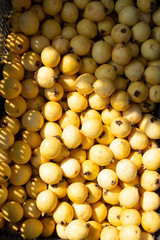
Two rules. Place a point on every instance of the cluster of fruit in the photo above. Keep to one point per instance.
(79, 152)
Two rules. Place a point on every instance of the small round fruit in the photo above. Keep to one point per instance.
(150, 180)
(92, 128)
(77, 229)
(130, 216)
(89, 170)
(45, 77)
(15, 107)
(95, 11)
(46, 201)
(150, 221)
(70, 64)
(82, 211)
(126, 170)
(30, 209)
(12, 211)
(52, 111)
(20, 152)
(149, 201)
(94, 192)
(131, 232)
(129, 197)
(6, 138)
(34, 186)
(120, 148)
(28, 231)
(20, 174)
(77, 192)
(48, 226)
(3, 193)
(99, 211)
(77, 102)
(32, 120)
(80, 45)
(101, 51)
(151, 159)
(150, 49)
(120, 127)
(63, 214)
(121, 54)
(120, 100)
(137, 139)
(94, 230)
(112, 196)
(109, 232)
(46, 173)
(10, 88)
(50, 57)
(70, 167)
(114, 215)
(71, 136)
(28, 22)
(107, 179)
(100, 154)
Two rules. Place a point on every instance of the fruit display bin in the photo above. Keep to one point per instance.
(5, 9)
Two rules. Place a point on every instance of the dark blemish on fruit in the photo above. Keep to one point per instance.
(78, 60)
(4, 124)
(105, 192)
(123, 30)
(55, 78)
(19, 46)
(70, 49)
(101, 135)
(118, 216)
(113, 182)
(139, 151)
(106, 10)
(56, 93)
(153, 119)
(109, 107)
(136, 93)
(62, 181)
(37, 63)
(152, 5)
(137, 186)
(63, 223)
(34, 155)
(136, 231)
(23, 9)
(157, 181)
(123, 44)
(87, 225)
(102, 33)
(88, 173)
(118, 123)
(147, 105)
(5, 177)
(115, 68)
(96, 185)
(58, 137)
(70, 149)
